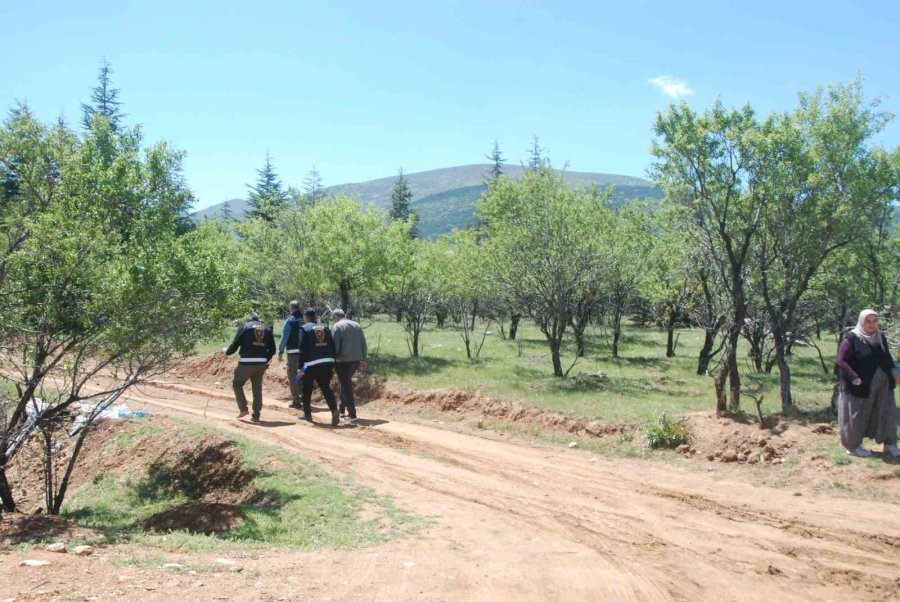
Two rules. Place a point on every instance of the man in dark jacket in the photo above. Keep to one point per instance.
(257, 346)
(290, 340)
(317, 359)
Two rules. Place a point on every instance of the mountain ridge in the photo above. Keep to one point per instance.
(444, 198)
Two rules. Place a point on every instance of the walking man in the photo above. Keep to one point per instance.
(257, 346)
(349, 356)
(290, 339)
(317, 359)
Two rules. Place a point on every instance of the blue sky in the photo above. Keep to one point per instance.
(360, 89)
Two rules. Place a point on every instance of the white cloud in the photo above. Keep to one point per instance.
(671, 86)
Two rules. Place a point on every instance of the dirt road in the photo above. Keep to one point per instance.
(509, 521)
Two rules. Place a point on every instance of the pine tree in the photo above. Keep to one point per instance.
(227, 213)
(401, 197)
(104, 101)
(497, 157)
(535, 159)
(267, 197)
(312, 187)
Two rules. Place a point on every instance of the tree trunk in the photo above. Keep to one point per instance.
(706, 351)
(784, 370)
(734, 377)
(514, 326)
(6, 494)
(440, 317)
(415, 342)
(721, 398)
(345, 298)
(557, 363)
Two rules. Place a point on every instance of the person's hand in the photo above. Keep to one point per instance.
(280, 359)
(856, 381)
(897, 379)
(225, 350)
(362, 365)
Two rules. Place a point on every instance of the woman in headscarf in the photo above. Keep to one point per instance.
(867, 407)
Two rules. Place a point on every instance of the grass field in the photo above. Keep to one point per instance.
(639, 385)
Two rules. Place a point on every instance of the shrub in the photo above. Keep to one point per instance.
(666, 433)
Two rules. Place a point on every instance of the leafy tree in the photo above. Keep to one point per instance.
(707, 162)
(543, 238)
(823, 184)
(465, 278)
(104, 101)
(99, 290)
(267, 197)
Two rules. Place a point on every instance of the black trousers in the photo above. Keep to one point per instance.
(321, 374)
(345, 372)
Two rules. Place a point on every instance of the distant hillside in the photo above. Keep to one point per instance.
(444, 198)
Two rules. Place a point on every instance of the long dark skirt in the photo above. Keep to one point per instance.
(874, 416)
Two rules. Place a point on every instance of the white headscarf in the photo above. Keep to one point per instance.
(873, 339)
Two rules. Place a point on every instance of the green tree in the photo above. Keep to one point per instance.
(707, 162)
(99, 289)
(104, 101)
(497, 162)
(401, 199)
(312, 187)
(823, 181)
(547, 255)
(267, 197)
(536, 161)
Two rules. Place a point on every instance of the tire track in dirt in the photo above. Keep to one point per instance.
(660, 535)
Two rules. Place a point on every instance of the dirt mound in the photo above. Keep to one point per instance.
(217, 370)
(16, 528)
(196, 517)
(465, 402)
(735, 439)
(211, 471)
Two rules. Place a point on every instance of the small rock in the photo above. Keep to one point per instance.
(83, 550)
(408, 564)
(227, 561)
(797, 493)
(58, 547)
(683, 448)
(772, 570)
(34, 563)
(741, 457)
(769, 449)
(197, 583)
(752, 458)
(762, 441)
(824, 428)
(173, 565)
(573, 444)
(767, 456)
(710, 457)
(729, 456)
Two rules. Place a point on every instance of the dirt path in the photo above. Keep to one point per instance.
(508, 521)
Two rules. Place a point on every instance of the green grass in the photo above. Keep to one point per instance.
(297, 504)
(641, 384)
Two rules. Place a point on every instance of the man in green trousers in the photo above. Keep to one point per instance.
(257, 346)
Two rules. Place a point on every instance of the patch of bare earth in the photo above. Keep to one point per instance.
(521, 520)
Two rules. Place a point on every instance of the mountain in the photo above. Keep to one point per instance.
(444, 198)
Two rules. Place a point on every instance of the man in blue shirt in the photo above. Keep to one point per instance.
(290, 340)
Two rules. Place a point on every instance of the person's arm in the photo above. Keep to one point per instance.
(285, 333)
(270, 344)
(235, 343)
(845, 353)
(891, 366)
(338, 339)
(365, 349)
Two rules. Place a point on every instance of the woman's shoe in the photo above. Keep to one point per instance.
(860, 452)
(892, 449)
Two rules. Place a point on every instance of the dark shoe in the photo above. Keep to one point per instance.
(304, 416)
(343, 413)
(242, 413)
(254, 418)
(335, 418)
(296, 406)
(353, 420)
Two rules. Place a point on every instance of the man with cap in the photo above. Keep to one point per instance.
(349, 356)
(317, 364)
(257, 346)
(290, 339)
